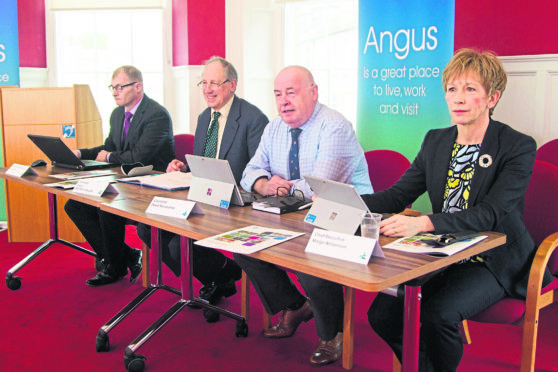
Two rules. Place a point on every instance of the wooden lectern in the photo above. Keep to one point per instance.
(50, 112)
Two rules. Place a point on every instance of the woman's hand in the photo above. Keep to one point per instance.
(400, 226)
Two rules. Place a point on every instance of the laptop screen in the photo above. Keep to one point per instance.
(55, 149)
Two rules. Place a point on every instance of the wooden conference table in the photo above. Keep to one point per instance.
(381, 274)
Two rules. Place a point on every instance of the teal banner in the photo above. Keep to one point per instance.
(403, 49)
(9, 48)
(9, 65)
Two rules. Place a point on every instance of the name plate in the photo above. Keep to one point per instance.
(173, 207)
(343, 246)
(94, 187)
(18, 170)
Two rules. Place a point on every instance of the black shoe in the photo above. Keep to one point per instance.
(99, 264)
(213, 293)
(133, 261)
(107, 276)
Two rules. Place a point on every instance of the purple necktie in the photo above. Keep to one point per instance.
(127, 121)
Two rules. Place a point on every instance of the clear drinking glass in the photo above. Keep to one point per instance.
(370, 225)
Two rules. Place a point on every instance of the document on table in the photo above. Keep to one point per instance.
(167, 181)
(416, 244)
(84, 174)
(248, 239)
(71, 183)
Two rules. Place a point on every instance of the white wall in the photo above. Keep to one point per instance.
(530, 101)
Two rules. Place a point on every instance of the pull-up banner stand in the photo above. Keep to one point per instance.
(403, 49)
(9, 64)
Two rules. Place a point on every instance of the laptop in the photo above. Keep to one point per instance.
(337, 207)
(213, 183)
(62, 156)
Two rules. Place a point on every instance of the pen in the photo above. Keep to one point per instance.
(304, 206)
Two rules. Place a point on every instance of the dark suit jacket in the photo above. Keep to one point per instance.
(244, 128)
(149, 141)
(495, 203)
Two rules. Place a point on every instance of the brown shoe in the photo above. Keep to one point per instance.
(289, 321)
(328, 351)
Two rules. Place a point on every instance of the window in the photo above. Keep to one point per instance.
(322, 35)
(90, 44)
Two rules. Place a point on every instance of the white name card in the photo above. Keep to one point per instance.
(18, 170)
(94, 187)
(343, 246)
(173, 207)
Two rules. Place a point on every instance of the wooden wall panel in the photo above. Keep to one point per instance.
(43, 111)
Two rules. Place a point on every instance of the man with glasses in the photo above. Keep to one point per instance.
(229, 128)
(140, 131)
(306, 138)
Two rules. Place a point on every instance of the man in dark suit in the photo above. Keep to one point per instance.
(235, 138)
(140, 131)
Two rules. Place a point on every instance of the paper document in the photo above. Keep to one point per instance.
(71, 183)
(166, 181)
(84, 174)
(248, 239)
(416, 244)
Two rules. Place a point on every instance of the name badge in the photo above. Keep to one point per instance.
(18, 170)
(94, 187)
(173, 207)
(343, 246)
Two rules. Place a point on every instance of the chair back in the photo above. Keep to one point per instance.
(385, 167)
(541, 206)
(183, 144)
(549, 152)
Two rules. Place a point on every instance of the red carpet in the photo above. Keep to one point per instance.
(51, 323)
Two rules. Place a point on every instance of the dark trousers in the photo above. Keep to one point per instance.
(105, 232)
(277, 291)
(457, 293)
(207, 262)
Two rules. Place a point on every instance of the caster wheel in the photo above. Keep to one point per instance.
(134, 362)
(211, 316)
(241, 328)
(136, 365)
(13, 282)
(102, 343)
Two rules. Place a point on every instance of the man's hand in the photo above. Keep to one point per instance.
(176, 165)
(264, 186)
(102, 155)
(77, 153)
(400, 226)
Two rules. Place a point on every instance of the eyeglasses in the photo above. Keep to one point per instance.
(204, 84)
(119, 88)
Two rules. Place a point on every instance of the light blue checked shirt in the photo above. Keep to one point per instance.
(328, 148)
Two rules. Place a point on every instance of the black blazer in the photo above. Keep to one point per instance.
(495, 203)
(244, 128)
(149, 141)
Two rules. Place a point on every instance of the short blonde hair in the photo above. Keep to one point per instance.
(485, 65)
(132, 72)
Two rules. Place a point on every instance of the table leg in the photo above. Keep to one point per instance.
(411, 329)
(14, 282)
(348, 328)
